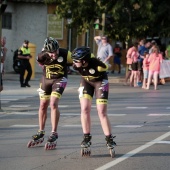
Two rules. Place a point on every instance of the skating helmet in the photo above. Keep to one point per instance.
(51, 44)
(81, 53)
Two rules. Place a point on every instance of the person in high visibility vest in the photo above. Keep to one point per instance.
(24, 56)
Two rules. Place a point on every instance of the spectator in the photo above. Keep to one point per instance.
(134, 65)
(24, 56)
(3, 57)
(145, 69)
(167, 51)
(155, 59)
(129, 61)
(105, 50)
(117, 57)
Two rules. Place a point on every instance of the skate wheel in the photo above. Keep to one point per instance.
(29, 144)
(112, 153)
(46, 146)
(85, 152)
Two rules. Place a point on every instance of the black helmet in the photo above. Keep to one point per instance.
(51, 44)
(81, 53)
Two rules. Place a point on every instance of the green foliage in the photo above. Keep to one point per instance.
(124, 18)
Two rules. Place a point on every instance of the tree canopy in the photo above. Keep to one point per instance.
(124, 18)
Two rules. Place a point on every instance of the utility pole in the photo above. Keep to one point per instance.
(103, 23)
(3, 5)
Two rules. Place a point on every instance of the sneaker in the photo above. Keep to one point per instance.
(26, 84)
(23, 85)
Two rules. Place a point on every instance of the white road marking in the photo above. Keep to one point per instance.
(70, 114)
(20, 106)
(63, 106)
(25, 113)
(71, 126)
(136, 107)
(164, 142)
(168, 108)
(155, 114)
(3, 102)
(128, 126)
(24, 126)
(133, 152)
(116, 114)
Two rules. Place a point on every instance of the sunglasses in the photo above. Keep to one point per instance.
(77, 61)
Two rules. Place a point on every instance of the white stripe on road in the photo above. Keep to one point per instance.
(133, 152)
(128, 126)
(24, 126)
(116, 114)
(20, 106)
(154, 114)
(25, 113)
(70, 114)
(63, 106)
(164, 142)
(168, 108)
(71, 126)
(136, 107)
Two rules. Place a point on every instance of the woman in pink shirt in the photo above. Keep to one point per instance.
(155, 60)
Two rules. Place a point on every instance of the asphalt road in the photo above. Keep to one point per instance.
(140, 120)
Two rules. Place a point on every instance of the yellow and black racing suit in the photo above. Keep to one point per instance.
(54, 79)
(94, 79)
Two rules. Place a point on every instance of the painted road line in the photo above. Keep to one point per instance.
(9, 99)
(71, 126)
(63, 106)
(164, 142)
(25, 113)
(136, 107)
(24, 126)
(70, 114)
(168, 108)
(116, 114)
(133, 152)
(20, 106)
(128, 126)
(155, 114)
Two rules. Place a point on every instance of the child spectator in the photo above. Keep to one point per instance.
(145, 69)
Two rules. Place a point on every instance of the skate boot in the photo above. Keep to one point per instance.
(110, 145)
(52, 141)
(36, 139)
(85, 145)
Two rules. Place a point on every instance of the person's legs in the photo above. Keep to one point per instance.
(132, 78)
(104, 120)
(55, 114)
(29, 74)
(43, 113)
(155, 77)
(85, 115)
(22, 72)
(149, 79)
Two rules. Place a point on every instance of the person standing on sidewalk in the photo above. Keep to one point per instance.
(105, 50)
(24, 56)
(54, 62)
(3, 57)
(94, 79)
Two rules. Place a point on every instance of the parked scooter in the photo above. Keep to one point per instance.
(16, 62)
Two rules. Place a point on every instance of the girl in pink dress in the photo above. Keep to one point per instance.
(155, 60)
(145, 69)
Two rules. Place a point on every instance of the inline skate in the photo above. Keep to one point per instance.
(110, 145)
(85, 145)
(38, 138)
(52, 141)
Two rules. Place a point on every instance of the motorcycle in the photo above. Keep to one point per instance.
(16, 62)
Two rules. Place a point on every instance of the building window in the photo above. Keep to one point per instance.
(7, 20)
